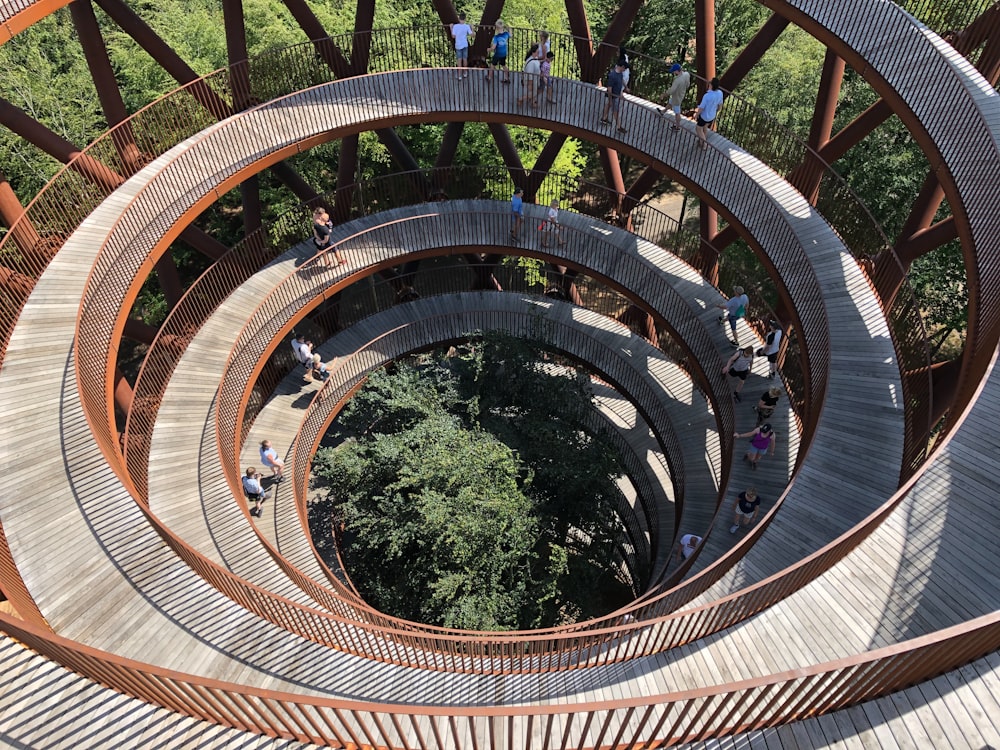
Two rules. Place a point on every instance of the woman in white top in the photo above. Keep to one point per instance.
(533, 68)
(772, 344)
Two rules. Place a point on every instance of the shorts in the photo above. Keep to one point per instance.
(759, 451)
(516, 215)
(500, 60)
(542, 83)
(257, 498)
(614, 101)
(676, 108)
(462, 54)
(772, 357)
(741, 374)
(745, 514)
(702, 123)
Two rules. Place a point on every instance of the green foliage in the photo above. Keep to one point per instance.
(472, 495)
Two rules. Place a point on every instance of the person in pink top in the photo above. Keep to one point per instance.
(762, 440)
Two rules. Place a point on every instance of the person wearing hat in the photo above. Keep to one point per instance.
(497, 56)
(675, 96)
(762, 439)
(745, 509)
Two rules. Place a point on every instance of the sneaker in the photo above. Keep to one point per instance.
(254, 512)
(753, 465)
(734, 342)
(279, 480)
(722, 318)
(736, 395)
(734, 528)
(675, 128)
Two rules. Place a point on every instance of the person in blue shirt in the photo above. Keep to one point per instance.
(707, 111)
(517, 213)
(616, 85)
(498, 52)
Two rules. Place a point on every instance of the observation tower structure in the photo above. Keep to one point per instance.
(144, 606)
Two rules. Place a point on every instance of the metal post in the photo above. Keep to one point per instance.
(704, 29)
(808, 176)
(13, 217)
(751, 54)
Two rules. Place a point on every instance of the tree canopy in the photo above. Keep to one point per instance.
(472, 494)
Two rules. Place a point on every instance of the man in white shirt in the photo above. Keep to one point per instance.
(254, 491)
(686, 546)
(461, 32)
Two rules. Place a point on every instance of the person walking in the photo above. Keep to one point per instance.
(768, 401)
(517, 213)
(551, 226)
(736, 308)
(497, 56)
(745, 509)
(461, 32)
(616, 85)
(676, 94)
(738, 367)
(254, 491)
(762, 439)
(269, 457)
(545, 77)
(533, 69)
(772, 343)
(708, 109)
(686, 546)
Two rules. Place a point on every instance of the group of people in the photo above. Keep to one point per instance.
(302, 350)
(550, 226)
(253, 487)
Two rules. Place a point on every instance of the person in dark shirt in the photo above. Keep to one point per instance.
(768, 401)
(616, 85)
(745, 509)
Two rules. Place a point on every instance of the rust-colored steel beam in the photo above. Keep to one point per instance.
(506, 147)
(766, 36)
(449, 144)
(170, 279)
(314, 30)
(16, 283)
(808, 175)
(56, 146)
(576, 12)
(708, 228)
(103, 75)
(944, 386)
(638, 189)
(533, 180)
(982, 29)
(364, 21)
(139, 331)
(236, 52)
(613, 174)
(347, 167)
(613, 37)
(704, 31)
(25, 236)
(123, 392)
(634, 315)
(989, 61)
(294, 182)
(165, 56)
(925, 240)
(924, 208)
(855, 131)
(491, 12)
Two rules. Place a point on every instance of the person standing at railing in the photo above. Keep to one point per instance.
(676, 94)
(707, 111)
(461, 32)
(497, 55)
(322, 232)
(616, 85)
(772, 343)
(517, 213)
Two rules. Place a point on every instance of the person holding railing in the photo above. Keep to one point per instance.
(461, 32)
(762, 439)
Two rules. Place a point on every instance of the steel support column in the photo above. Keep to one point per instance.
(638, 189)
(751, 54)
(103, 75)
(491, 12)
(704, 29)
(123, 392)
(613, 174)
(855, 131)
(613, 37)
(139, 331)
(347, 167)
(580, 28)
(165, 56)
(542, 165)
(364, 21)
(506, 147)
(808, 176)
(22, 230)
